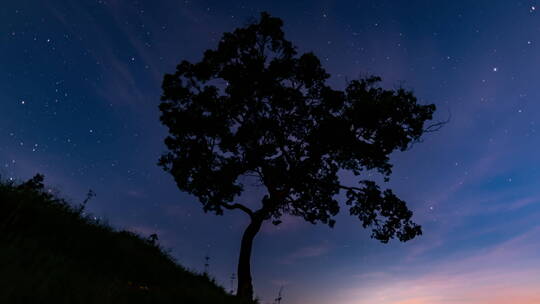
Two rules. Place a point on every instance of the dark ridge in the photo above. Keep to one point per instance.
(50, 252)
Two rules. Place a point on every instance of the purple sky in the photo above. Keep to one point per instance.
(79, 90)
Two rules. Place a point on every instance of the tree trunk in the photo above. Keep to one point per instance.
(245, 287)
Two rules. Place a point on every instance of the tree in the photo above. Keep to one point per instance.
(255, 107)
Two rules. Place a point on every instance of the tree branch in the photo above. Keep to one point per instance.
(434, 127)
(350, 188)
(438, 125)
(238, 206)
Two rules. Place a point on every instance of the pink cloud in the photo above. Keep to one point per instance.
(505, 273)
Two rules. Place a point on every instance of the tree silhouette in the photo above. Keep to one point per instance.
(255, 107)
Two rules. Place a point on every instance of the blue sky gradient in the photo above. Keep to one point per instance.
(79, 91)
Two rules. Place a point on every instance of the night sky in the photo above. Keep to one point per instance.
(79, 93)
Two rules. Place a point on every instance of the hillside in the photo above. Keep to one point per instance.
(51, 253)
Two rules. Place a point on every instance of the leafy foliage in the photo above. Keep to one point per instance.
(255, 107)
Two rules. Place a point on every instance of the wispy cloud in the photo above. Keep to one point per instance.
(306, 253)
(288, 224)
(504, 273)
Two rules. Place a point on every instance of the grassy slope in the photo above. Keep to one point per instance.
(50, 253)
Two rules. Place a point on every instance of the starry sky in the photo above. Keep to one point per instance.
(79, 90)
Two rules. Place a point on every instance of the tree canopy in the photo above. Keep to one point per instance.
(256, 107)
